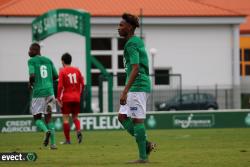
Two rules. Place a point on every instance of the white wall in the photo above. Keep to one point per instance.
(202, 54)
(14, 45)
(16, 39)
(58, 44)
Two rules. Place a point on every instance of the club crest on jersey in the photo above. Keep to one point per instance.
(133, 108)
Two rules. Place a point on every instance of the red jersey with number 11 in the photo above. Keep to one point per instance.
(70, 85)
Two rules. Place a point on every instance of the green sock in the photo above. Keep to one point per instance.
(129, 126)
(41, 125)
(140, 136)
(51, 127)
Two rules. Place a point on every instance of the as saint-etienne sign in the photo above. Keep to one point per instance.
(58, 21)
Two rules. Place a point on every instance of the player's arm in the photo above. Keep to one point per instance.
(54, 72)
(134, 60)
(81, 81)
(132, 77)
(60, 88)
(31, 74)
(31, 81)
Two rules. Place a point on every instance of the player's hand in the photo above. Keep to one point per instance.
(123, 98)
(60, 104)
(30, 86)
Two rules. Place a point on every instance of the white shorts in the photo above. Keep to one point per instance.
(43, 105)
(136, 105)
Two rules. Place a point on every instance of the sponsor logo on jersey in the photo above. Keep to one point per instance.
(133, 108)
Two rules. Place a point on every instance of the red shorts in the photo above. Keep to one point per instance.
(70, 108)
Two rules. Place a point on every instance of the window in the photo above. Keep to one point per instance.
(187, 98)
(244, 61)
(121, 43)
(101, 49)
(95, 79)
(100, 43)
(121, 78)
(247, 54)
(120, 62)
(247, 69)
(161, 76)
(201, 97)
(105, 60)
(240, 69)
(109, 52)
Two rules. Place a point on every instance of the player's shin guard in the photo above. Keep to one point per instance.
(128, 125)
(40, 124)
(51, 127)
(140, 136)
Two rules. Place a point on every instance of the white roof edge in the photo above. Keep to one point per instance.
(174, 20)
(146, 20)
(16, 20)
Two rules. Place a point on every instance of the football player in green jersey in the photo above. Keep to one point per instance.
(42, 73)
(133, 98)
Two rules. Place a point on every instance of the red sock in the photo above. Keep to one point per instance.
(77, 124)
(66, 129)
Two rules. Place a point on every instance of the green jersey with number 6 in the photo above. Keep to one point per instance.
(135, 53)
(44, 70)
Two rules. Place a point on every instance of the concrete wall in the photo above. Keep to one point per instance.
(202, 54)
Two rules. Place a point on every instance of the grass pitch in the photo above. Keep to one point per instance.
(176, 148)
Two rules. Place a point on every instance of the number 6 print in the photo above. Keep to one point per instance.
(43, 71)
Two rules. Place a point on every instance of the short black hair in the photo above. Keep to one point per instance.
(66, 58)
(133, 20)
(36, 45)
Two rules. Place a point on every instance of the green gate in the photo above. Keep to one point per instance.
(69, 20)
(75, 21)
